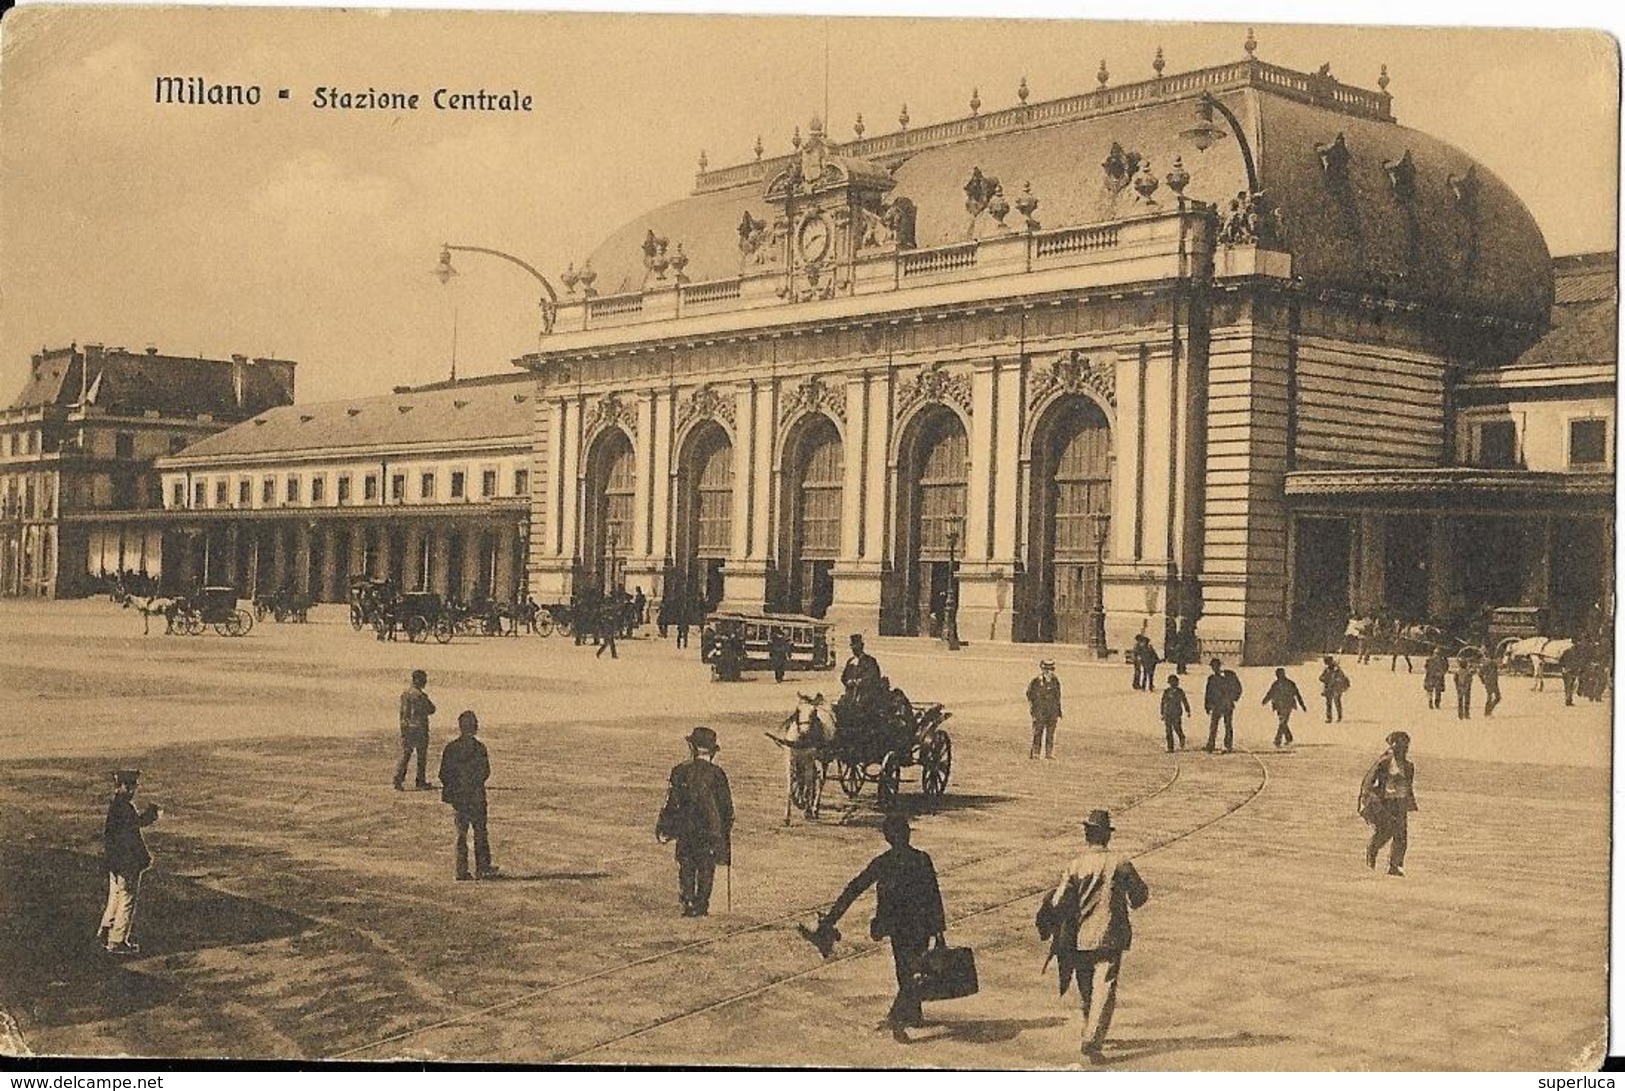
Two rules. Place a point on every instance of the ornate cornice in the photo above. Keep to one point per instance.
(705, 402)
(814, 395)
(934, 384)
(1451, 483)
(1072, 372)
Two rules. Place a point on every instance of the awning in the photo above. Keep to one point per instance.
(1454, 488)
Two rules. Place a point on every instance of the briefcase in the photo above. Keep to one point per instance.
(946, 973)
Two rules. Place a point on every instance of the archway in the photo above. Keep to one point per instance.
(813, 473)
(1071, 511)
(705, 499)
(933, 470)
(611, 483)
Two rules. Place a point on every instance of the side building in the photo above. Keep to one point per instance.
(78, 446)
(428, 486)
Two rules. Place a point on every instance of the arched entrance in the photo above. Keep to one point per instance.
(933, 469)
(813, 475)
(611, 482)
(705, 501)
(1071, 511)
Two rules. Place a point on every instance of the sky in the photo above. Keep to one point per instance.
(311, 235)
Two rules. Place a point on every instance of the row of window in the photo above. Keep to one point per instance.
(289, 489)
(1498, 444)
(22, 443)
(28, 495)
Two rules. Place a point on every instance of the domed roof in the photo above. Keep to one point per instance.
(1402, 213)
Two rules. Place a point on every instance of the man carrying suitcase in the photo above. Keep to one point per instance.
(908, 908)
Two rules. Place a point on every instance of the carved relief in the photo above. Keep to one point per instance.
(1252, 219)
(813, 395)
(891, 225)
(1334, 161)
(1402, 176)
(611, 410)
(704, 401)
(933, 384)
(1073, 373)
(1120, 167)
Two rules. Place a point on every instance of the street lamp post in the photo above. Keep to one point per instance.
(1102, 523)
(951, 607)
(549, 303)
(609, 566)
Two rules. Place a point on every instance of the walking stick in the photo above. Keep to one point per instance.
(730, 886)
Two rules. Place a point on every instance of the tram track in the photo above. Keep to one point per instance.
(761, 943)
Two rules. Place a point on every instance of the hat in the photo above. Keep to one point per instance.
(1046, 665)
(126, 776)
(1215, 662)
(895, 823)
(466, 718)
(855, 636)
(703, 738)
(1399, 738)
(1099, 819)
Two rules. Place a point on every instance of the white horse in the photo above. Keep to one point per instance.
(803, 733)
(1541, 652)
(156, 604)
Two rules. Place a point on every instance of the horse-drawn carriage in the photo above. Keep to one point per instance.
(865, 741)
(369, 598)
(420, 615)
(283, 606)
(216, 606)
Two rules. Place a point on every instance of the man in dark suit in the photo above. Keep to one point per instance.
(1044, 702)
(1219, 702)
(699, 816)
(124, 852)
(465, 766)
(861, 675)
(908, 908)
(1085, 918)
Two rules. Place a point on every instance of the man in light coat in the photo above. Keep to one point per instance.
(124, 851)
(1086, 920)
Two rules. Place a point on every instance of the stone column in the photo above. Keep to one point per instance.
(507, 549)
(860, 572)
(358, 549)
(1441, 569)
(472, 561)
(329, 590)
(440, 562)
(301, 557)
(411, 579)
(279, 558)
(1372, 561)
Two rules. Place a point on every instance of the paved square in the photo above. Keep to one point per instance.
(300, 908)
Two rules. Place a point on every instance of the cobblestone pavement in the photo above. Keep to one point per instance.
(301, 908)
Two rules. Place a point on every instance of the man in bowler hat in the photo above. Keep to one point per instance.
(1086, 920)
(699, 816)
(1219, 702)
(124, 851)
(908, 909)
(465, 766)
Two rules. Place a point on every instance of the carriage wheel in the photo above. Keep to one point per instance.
(890, 780)
(194, 625)
(442, 631)
(228, 626)
(851, 774)
(245, 623)
(357, 619)
(544, 626)
(936, 765)
(417, 629)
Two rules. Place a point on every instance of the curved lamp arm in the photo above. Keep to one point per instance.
(550, 305)
(1211, 102)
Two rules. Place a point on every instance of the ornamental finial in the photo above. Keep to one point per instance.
(1158, 64)
(1102, 76)
(902, 118)
(759, 148)
(1251, 44)
(975, 102)
(1382, 80)
(795, 141)
(1021, 91)
(704, 162)
(857, 127)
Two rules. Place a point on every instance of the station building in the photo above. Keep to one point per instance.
(428, 486)
(78, 447)
(1230, 351)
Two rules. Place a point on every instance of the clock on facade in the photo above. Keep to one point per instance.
(814, 239)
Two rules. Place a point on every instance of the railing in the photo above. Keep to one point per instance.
(711, 291)
(1076, 240)
(1324, 91)
(605, 306)
(942, 259)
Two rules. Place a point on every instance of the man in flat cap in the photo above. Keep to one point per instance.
(125, 852)
(699, 816)
(1085, 918)
(465, 766)
(908, 909)
(1044, 701)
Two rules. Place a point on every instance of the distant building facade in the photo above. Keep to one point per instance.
(79, 443)
(1174, 357)
(427, 486)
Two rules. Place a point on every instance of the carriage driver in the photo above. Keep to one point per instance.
(861, 676)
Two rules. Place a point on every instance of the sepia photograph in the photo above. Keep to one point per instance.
(796, 541)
